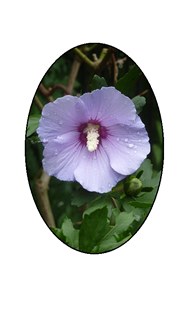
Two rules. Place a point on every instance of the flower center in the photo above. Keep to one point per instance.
(92, 136)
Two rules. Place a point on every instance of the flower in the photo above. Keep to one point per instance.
(96, 139)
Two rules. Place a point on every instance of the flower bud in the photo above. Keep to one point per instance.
(132, 186)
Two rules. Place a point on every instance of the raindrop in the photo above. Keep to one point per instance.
(45, 140)
(117, 139)
(125, 139)
(84, 157)
(81, 181)
(135, 151)
(130, 145)
(139, 140)
(109, 185)
(101, 189)
(60, 121)
(138, 132)
(56, 152)
(95, 169)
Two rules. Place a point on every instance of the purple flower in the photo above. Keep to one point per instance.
(96, 139)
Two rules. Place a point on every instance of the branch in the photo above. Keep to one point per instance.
(73, 73)
(41, 186)
(38, 103)
(48, 93)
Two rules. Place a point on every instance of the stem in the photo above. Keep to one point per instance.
(84, 58)
(73, 73)
(54, 88)
(41, 186)
(114, 203)
(45, 92)
(38, 103)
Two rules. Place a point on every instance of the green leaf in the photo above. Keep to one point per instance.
(67, 233)
(146, 200)
(139, 102)
(70, 233)
(33, 124)
(34, 139)
(82, 196)
(147, 173)
(112, 238)
(126, 83)
(98, 83)
(59, 233)
(93, 229)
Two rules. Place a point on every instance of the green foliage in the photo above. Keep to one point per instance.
(67, 233)
(104, 227)
(33, 124)
(82, 196)
(139, 102)
(126, 83)
(98, 83)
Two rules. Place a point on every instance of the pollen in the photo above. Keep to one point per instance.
(92, 136)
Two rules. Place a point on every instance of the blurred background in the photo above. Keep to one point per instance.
(70, 72)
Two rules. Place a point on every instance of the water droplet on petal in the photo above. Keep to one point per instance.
(135, 151)
(60, 121)
(81, 181)
(138, 132)
(95, 169)
(125, 139)
(94, 157)
(130, 145)
(84, 157)
(139, 140)
(56, 152)
(101, 189)
(109, 185)
(45, 140)
(117, 139)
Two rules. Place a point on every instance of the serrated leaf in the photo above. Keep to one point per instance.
(93, 229)
(33, 124)
(98, 82)
(82, 196)
(67, 233)
(70, 233)
(58, 232)
(126, 83)
(110, 240)
(139, 103)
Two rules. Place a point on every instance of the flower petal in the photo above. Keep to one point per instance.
(94, 172)
(61, 156)
(108, 106)
(127, 146)
(61, 116)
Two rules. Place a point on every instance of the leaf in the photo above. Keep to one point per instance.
(34, 139)
(147, 173)
(98, 83)
(58, 232)
(146, 200)
(139, 102)
(110, 240)
(33, 124)
(67, 233)
(82, 196)
(126, 83)
(93, 229)
(70, 233)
